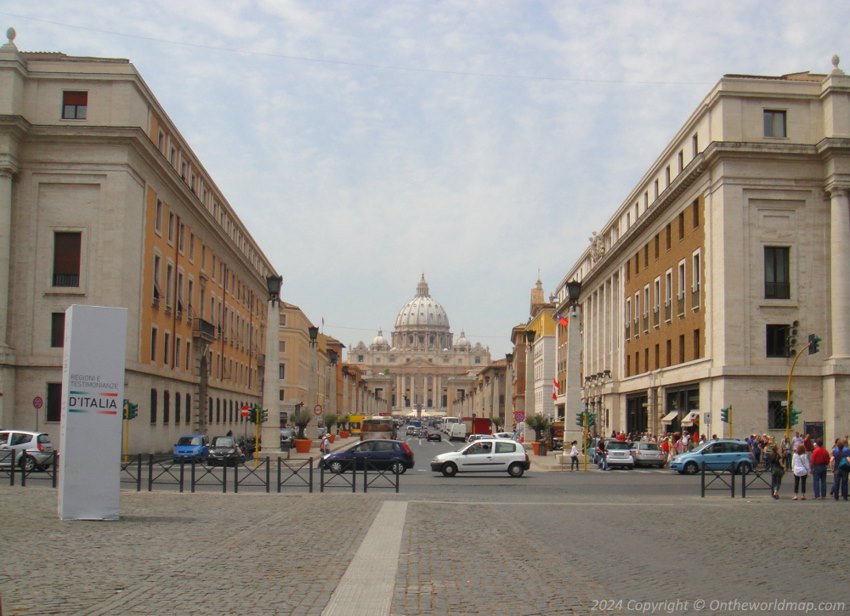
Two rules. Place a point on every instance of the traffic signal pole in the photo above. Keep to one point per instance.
(788, 397)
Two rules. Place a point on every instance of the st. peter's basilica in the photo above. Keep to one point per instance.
(420, 368)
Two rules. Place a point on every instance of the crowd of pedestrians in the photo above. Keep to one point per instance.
(800, 455)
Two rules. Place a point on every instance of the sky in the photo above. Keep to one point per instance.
(480, 142)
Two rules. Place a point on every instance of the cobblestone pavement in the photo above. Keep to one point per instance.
(284, 554)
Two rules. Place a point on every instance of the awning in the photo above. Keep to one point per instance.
(688, 421)
(670, 417)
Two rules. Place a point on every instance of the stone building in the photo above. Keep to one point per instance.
(103, 202)
(421, 367)
(701, 290)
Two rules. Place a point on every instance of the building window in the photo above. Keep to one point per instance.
(169, 283)
(646, 256)
(166, 407)
(281, 371)
(188, 408)
(695, 145)
(681, 160)
(777, 341)
(177, 409)
(681, 225)
(157, 292)
(695, 280)
(777, 283)
(668, 295)
(67, 247)
(75, 105)
(153, 344)
(166, 344)
(57, 329)
(697, 354)
(774, 123)
(153, 406)
(54, 402)
(667, 175)
(695, 210)
(171, 228)
(669, 352)
(655, 190)
(682, 349)
(668, 232)
(776, 419)
(657, 245)
(157, 221)
(657, 357)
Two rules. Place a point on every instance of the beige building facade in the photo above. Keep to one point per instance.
(103, 202)
(705, 283)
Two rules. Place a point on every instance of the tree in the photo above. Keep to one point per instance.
(330, 420)
(301, 419)
(343, 422)
(539, 423)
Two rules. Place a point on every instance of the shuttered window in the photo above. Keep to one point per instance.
(66, 258)
(75, 105)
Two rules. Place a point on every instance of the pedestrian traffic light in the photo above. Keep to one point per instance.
(795, 416)
(814, 344)
(724, 414)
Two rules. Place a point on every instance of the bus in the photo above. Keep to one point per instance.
(354, 423)
(377, 426)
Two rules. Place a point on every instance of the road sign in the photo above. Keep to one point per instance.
(317, 410)
(519, 416)
(37, 402)
(245, 410)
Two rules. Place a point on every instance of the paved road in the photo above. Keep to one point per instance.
(549, 543)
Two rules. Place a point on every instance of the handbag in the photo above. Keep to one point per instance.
(778, 469)
(845, 463)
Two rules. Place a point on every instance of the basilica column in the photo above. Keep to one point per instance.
(839, 247)
(7, 359)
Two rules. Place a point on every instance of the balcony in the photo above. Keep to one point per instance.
(668, 310)
(656, 316)
(695, 298)
(66, 280)
(645, 322)
(680, 304)
(204, 330)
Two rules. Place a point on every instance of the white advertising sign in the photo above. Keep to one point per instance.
(92, 404)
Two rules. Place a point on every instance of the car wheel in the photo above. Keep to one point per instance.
(744, 468)
(516, 470)
(691, 468)
(398, 467)
(336, 467)
(449, 470)
(28, 464)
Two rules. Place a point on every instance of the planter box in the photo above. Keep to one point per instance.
(344, 434)
(302, 445)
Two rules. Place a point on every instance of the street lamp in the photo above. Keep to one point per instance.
(270, 434)
(313, 394)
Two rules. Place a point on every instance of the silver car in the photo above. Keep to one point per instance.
(619, 454)
(647, 454)
(31, 450)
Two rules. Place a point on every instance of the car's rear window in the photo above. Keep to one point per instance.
(648, 446)
(4, 438)
(617, 445)
(43, 439)
(505, 448)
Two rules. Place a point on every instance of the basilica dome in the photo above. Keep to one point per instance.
(422, 312)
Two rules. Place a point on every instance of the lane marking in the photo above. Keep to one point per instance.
(368, 584)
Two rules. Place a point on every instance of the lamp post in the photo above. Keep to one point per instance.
(333, 358)
(270, 434)
(509, 389)
(313, 381)
(573, 369)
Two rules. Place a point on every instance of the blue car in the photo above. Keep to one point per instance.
(191, 448)
(719, 455)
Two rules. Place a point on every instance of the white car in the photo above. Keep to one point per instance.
(487, 455)
(507, 435)
(619, 454)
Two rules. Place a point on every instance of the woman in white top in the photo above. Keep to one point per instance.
(574, 456)
(801, 468)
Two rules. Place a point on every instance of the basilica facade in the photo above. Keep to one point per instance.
(420, 368)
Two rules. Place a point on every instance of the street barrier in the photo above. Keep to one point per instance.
(756, 480)
(724, 478)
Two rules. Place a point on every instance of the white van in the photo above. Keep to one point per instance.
(447, 423)
(457, 432)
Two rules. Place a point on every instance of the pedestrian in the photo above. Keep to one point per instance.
(801, 468)
(841, 461)
(601, 455)
(777, 469)
(820, 462)
(326, 444)
(574, 456)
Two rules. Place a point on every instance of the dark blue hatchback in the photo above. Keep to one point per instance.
(382, 454)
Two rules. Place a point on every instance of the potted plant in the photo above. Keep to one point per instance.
(539, 423)
(330, 420)
(343, 427)
(301, 419)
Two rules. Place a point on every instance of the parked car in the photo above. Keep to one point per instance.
(508, 435)
(476, 437)
(384, 454)
(191, 448)
(647, 454)
(619, 454)
(287, 436)
(716, 455)
(32, 450)
(457, 432)
(225, 450)
(484, 455)
(434, 435)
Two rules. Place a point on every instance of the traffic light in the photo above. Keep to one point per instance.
(252, 414)
(131, 410)
(264, 415)
(724, 414)
(580, 419)
(795, 416)
(591, 419)
(791, 339)
(814, 344)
